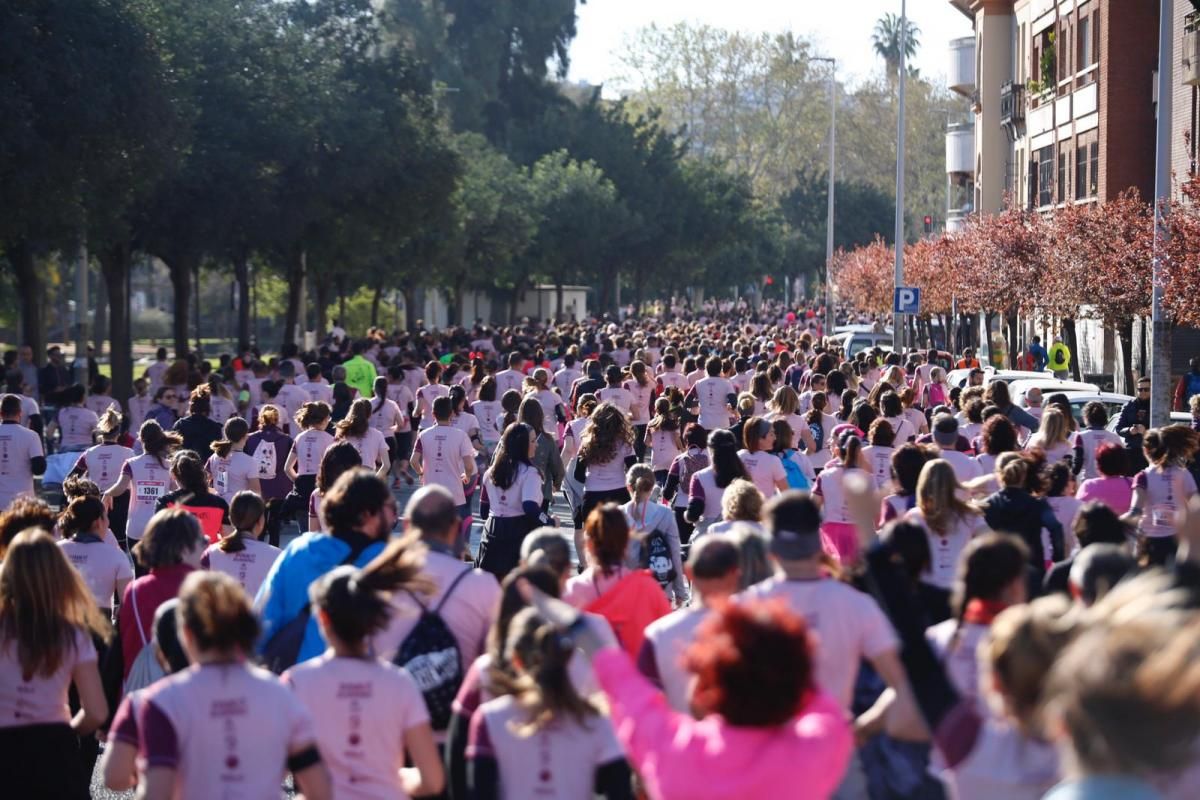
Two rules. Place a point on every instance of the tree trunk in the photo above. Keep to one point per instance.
(100, 323)
(181, 281)
(1071, 340)
(295, 273)
(1013, 339)
(1125, 334)
(115, 266)
(375, 300)
(558, 301)
(515, 301)
(196, 326)
(321, 300)
(32, 290)
(341, 291)
(241, 273)
(410, 306)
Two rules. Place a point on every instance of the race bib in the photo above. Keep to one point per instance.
(150, 491)
(221, 481)
(1162, 515)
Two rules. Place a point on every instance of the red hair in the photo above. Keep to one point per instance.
(753, 664)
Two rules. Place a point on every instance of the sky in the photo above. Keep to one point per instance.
(840, 28)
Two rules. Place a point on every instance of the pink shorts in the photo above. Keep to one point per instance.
(840, 540)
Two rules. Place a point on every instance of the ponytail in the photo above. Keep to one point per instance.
(543, 686)
(356, 602)
(851, 447)
(236, 430)
(245, 510)
(268, 415)
(109, 424)
(356, 423)
(312, 414)
(813, 416)
(380, 389)
(157, 442)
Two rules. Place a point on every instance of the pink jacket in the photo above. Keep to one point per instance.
(681, 757)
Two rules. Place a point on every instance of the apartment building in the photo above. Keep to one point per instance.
(1063, 93)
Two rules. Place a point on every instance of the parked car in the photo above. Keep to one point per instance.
(1048, 385)
(855, 341)
(958, 377)
(1113, 401)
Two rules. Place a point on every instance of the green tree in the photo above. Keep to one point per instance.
(886, 41)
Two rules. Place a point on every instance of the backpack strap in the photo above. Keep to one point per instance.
(450, 589)
(137, 616)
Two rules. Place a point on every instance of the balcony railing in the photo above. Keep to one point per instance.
(1012, 108)
(961, 74)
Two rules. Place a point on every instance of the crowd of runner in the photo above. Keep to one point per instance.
(786, 572)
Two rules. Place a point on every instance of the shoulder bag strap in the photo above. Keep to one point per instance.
(451, 588)
(137, 616)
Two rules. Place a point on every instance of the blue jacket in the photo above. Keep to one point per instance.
(284, 593)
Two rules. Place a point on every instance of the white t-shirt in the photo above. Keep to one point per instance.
(1166, 490)
(619, 396)
(466, 422)
(138, 405)
(230, 724)
(704, 485)
(371, 447)
(508, 380)
(76, 424)
(248, 567)
(291, 398)
(18, 445)
(610, 475)
(488, 414)
(41, 700)
(387, 418)
(549, 401)
(564, 378)
(425, 397)
(830, 489)
(1091, 439)
(765, 470)
(965, 467)
(670, 636)
(317, 392)
(101, 565)
(880, 459)
(944, 551)
(713, 396)
(223, 409)
(402, 396)
(365, 707)
(849, 626)
(310, 447)
(99, 403)
(149, 480)
(559, 760)
(231, 474)
(674, 380)
(444, 453)
(527, 487)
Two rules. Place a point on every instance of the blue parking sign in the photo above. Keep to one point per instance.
(907, 300)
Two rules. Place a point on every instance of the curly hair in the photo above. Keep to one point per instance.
(606, 429)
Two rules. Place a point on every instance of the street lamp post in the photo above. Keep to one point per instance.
(830, 320)
(1160, 331)
(898, 321)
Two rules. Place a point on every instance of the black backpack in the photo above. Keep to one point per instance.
(656, 557)
(430, 655)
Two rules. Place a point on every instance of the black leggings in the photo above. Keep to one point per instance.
(686, 529)
(639, 441)
(42, 762)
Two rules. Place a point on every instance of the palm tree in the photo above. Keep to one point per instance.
(886, 41)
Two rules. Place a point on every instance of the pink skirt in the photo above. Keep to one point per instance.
(840, 540)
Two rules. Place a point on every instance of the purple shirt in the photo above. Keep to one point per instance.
(276, 446)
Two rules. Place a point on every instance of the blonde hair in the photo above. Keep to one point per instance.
(268, 415)
(937, 496)
(640, 478)
(785, 401)
(109, 424)
(742, 501)
(1054, 428)
(1012, 470)
(1024, 643)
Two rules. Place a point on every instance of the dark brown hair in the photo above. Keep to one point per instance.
(216, 612)
(607, 531)
(170, 534)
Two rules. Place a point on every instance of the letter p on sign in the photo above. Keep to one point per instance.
(907, 300)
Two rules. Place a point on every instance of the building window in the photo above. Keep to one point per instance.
(1094, 168)
(1084, 38)
(1081, 172)
(1045, 176)
(1063, 166)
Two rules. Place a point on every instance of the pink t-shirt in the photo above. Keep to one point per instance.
(364, 707)
(231, 474)
(99, 403)
(40, 700)
(849, 626)
(880, 459)
(965, 467)
(138, 406)
(1116, 492)
(76, 424)
(248, 567)
(18, 445)
(829, 488)
(664, 447)
(669, 637)
(317, 392)
(101, 565)
(445, 452)
(1091, 439)
(558, 760)
(371, 446)
(642, 395)
(150, 480)
(674, 380)
(549, 401)
(564, 378)
(704, 487)
(510, 502)
(610, 475)
(223, 409)
(765, 471)
(508, 380)
(226, 729)
(310, 447)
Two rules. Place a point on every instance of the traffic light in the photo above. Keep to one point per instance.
(770, 281)
(928, 223)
